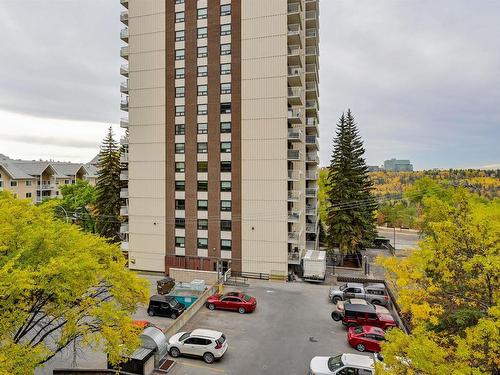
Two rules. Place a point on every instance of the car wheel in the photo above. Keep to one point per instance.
(173, 316)
(377, 302)
(151, 313)
(336, 316)
(242, 310)
(360, 348)
(208, 357)
(211, 306)
(336, 299)
(174, 352)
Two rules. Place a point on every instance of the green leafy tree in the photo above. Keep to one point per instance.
(59, 284)
(108, 188)
(448, 290)
(79, 201)
(351, 205)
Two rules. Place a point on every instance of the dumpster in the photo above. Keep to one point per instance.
(164, 286)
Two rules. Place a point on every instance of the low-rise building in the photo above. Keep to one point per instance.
(394, 165)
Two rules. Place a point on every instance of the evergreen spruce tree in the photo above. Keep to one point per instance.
(108, 189)
(351, 205)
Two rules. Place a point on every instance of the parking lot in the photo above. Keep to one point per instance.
(291, 325)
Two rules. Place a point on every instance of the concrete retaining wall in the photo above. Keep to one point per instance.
(187, 275)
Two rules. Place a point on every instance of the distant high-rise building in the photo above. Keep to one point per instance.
(394, 165)
(222, 148)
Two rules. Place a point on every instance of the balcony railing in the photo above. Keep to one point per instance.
(311, 50)
(311, 175)
(311, 227)
(124, 176)
(312, 140)
(293, 195)
(294, 71)
(311, 245)
(294, 92)
(294, 114)
(311, 33)
(295, 134)
(312, 104)
(124, 122)
(124, 193)
(124, 141)
(124, 228)
(294, 175)
(124, 87)
(294, 50)
(124, 52)
(124, 211)
(124, 246)
(293, 216)
(124, 105)
(294, 155)
(124, 34)
(124, 158)
(311, 86)
(293, 236)
(312, 157)
(124, 17)
(311, 210)
(294, 257)
(124, 70)
(294, 8)
(311, 192)
(294, 29)
(311, 15)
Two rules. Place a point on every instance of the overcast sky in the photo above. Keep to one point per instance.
(422, 78)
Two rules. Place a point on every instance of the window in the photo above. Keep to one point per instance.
(225, 10)
(179, 1)
(202, 243)
(203, 128)
(179, 54)
(202, 71)
(179, 92)
(179, 36)
(180, 223)
(179, 17)
(179, 110)
(225, 127)
(225, 88)
(179, 73)
(202, 166)
(180, 185)
(202, 32)
(225, 108)
(1, 183)
(180, 129)
(202, 205)
(202, 109)
(180, 204)
(203, 51)
(225, 49)
(225, 186)
(225, 244)
(179, 241)
(202, 90)
(225, 225)
(28, 183)
(202, 224)
(28, 195)
(202, 13)
(225, 147)
(13, 183)
(202, 185)
(225, 205)
(225, 69)
(179, 148)
(225, 166)
(180, 167)
(225, 29)
(202, 148)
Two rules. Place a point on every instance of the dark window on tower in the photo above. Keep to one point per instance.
(203, 128)
(225, 69)
(225, 88)
(202, 224)
(225, 108)
(225, 10)
(225, 186)
(202, 185)
(180, 223)
(180, 129)
(225, 225)
(180, 167)
(225, 166)
(202, 147)
(225, 127)
(180, 185)
(180, 204)
(202, 205)
(225, 147)
(225, 205)
(179, 148)
(202, 166)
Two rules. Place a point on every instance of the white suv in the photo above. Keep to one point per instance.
(205, 343)
(344, 364)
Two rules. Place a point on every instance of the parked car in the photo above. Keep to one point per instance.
(366, 338)
(143, 324)
(243, 303)
(165, 285)
(338, 313)
(205, 343)
(373, 293)
(344, 364)
(365, 315)
(165, 306)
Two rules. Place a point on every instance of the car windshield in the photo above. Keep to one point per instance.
(247, 298)
(343, 287)
(335, 363)
(358, 330)
(184, 336)
(174, 303)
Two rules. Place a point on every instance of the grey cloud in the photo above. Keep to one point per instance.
(52, 141)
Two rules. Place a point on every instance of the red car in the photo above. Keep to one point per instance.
(366, 338)
(237, 301)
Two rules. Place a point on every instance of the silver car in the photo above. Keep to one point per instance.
(373, 293)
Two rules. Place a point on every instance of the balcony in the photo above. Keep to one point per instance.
(124, 34)
(311, 227)
(311, 210)
(295, 135)
(312, 157)
(124, 211)
(293, 216)
(312, 105)
(124, 123)
(293, 196)
(312, 55)
(294, 55)
(310, 245)
(124, 228)
(312, 90)
(295, 75)
(312, 142)
(46, 187)
(124, 70)
(312, 72)
(124, 104)
(124, 246)
(124, 193)
(124, 87)
(124, 158)
(311, 175)
(312, 124)
(312, 18)
(312, 37)
(124, 3)
(124, 141)
(294, 116)
(124, 176)
(294, 13)
(294, 155)
(294, 175)
(311, 192)
(124, 52)
(293, 237)
(295, 95)
(294, 32)
(294, 257)
(124, 17)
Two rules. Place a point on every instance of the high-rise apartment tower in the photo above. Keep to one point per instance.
(222, 101)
